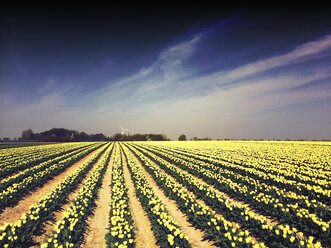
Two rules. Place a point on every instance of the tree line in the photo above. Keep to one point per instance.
(65, 135)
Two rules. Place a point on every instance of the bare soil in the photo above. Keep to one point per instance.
(12, 214)
(48, 226)
(195, 235)
(233, 202)
(99, 221)
(270, 220)
(26, 169)
(144, 235)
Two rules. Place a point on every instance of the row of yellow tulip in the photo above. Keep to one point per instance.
(14, 192)
(41, 154)
(8, 155)
(279, 192)
(288, 177)
(11, 155)
(222, 231)
(303, 161)
(309, 186)
(282, 195)
(277, 235)
(20, 232)
(291, 159)
(299, 217)
(121, 231)
(68, 232)
(8, 181)
(21, 144)
(166, 230)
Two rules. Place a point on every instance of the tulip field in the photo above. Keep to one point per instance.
(166, 194)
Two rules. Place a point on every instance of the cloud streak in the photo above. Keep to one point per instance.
(47, 86)
(163, 97)
(174, 56)
(231, 91)
(301, 52)
(161, 84)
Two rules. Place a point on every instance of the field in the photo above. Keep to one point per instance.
(166, 194)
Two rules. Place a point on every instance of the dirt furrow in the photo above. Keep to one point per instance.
(144, 235)
(98, 222)
(48, 226)
(35, 165)
(218, 214)
(195, 235)
(12, 214)
(270, 220)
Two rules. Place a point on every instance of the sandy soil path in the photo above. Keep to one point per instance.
(144, 235)
(234, 202)
(195, 235)
(32, 166)
(12, 214)
(98, 222)
(48, 226)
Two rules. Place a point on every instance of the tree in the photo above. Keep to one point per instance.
(98, 137)
(182, 137)
(27, 134)
(117, 137)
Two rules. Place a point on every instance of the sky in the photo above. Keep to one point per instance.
(203, 70)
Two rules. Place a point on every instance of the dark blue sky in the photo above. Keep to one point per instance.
(238, 71)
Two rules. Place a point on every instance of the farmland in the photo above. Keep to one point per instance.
(166, 194)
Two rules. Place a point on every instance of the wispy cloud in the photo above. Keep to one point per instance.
(160, 98)
(169, 60)
(298, 54)
(163, 83)
(165, 71)
(311, 48)
(234, 94)
(174, 56)
(47, 86)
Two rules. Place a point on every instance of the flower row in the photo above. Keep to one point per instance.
(68, 232)
(12, 194)
(282, 195)
(5, 183)
(121, 230)
(17, 233)
(42, 154)
(305, 221)
(222, 231)
(166, 230)
(276, 235)
(319, 192)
